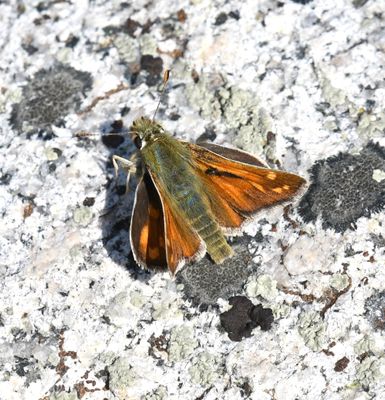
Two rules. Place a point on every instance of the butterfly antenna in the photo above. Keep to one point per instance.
(83, 134)
(166, 75)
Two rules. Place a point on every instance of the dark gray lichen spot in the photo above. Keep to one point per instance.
(343, 189)
(221, 19)
(153, 66)
(375, 310)
(48, 97)
(359, 3)
(205, 282)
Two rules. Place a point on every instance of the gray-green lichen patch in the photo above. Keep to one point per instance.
(370, 370)
(312, 330)
(333, 95)
(127, 47)
(202, 96)
(280, 310)
(371, 125)
(243, 113)
(364, 345)
(52, 154)
(205, 369)
(167, 308)
(82, 216)
(264, 286)
(48, 97)
(10, 96)
(138, 299)
(182, 343)
(148, 45)
(339, 281)
(240, 110)
(122, 376)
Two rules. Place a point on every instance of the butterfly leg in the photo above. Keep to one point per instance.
(128, 165)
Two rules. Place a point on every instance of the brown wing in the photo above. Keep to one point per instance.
(182, 242)
(147, 226)
(236, 190)
(233, 154)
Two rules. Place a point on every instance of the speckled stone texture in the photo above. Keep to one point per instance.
(300, 84)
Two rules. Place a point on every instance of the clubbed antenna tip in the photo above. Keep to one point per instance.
(166, 76)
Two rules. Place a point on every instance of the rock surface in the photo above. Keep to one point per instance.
(299, 84)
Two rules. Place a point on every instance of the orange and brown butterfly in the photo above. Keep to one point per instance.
(190, 197)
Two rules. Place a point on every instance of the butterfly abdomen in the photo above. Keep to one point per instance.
(203, 222)
(210, 232)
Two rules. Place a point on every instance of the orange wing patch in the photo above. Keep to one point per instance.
(182, 242)
(238, 190)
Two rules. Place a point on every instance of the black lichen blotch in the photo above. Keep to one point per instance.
(48, 97)
(375, 310)
(243, 317)
(343, 188)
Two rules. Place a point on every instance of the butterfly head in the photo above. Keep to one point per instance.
(145, 131)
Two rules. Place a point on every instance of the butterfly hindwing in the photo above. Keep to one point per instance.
(147, 226)
(233, 154)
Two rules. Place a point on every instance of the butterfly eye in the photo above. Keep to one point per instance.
(138, 142)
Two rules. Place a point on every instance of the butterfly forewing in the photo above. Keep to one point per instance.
(241, 188)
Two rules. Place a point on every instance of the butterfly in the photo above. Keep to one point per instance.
(190, 196)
